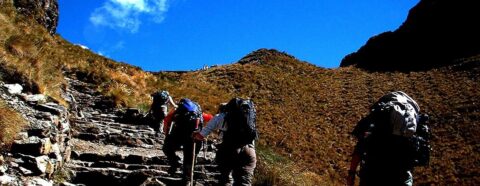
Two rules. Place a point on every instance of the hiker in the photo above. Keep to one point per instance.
(236, 154)
(179, 126)
(391, 141)
(159, 109)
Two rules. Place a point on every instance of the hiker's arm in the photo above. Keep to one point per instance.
(353, 166)
(212, 125)
(170, 99)
(167, 122)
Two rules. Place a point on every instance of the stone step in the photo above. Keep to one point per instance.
(113, 176)
(128, 159)
(78, 164)
(117, 139)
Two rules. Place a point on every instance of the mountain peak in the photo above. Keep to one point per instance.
(262, 55)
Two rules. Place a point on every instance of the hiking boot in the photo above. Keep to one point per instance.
(173, 170)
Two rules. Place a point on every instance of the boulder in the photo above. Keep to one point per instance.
(35, 98)
(38, 182)
(37, 165)
(53, 108)
(6, 180)
(32, 146)
(13, 88)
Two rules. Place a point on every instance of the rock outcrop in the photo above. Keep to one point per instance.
(42, 148)
(44, 12)
(436, 33)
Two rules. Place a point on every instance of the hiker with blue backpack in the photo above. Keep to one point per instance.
(391, 141)
(179, 126)
(159, 109)
(236, 154)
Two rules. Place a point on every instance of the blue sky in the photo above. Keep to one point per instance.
(187, 34)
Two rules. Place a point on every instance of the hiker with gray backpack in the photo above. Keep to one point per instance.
(236, 154)
(392, 139)
(159, 109)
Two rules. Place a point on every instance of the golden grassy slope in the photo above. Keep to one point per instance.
(28, 53)
(306, 113)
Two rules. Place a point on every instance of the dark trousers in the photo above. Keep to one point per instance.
(174, 143)
(386, 177)
(240, 162)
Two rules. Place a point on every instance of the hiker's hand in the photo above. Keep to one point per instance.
(198, 137)
(351, 178)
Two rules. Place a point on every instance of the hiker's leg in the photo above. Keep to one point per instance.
(187, 157)
(243, 171)
(169, 147)
(164, 113)
(224, 160)
(157, 120)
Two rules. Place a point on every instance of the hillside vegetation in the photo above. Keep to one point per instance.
(40, 61)
(305, 113)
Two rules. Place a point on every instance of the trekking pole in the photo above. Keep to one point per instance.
(193, 164)
(204, 146)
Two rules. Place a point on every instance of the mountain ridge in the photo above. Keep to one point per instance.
(435, 34)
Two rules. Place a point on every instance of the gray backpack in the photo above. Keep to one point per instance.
(401, 112)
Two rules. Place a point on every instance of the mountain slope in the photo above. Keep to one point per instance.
(435, 33)
(30, 55)
(306, 112)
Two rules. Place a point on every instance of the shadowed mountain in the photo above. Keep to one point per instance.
(436, 33)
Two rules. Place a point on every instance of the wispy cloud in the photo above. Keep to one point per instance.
(125, 14)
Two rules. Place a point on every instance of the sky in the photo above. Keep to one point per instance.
(163, 35)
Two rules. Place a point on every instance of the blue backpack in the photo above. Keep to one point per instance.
(187, 117)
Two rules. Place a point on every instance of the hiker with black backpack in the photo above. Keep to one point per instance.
(179, 126)
(236, 154)
(159, 109)
(392, 140)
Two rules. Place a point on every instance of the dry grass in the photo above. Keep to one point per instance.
(273, 169)
(11, 122)
(30, 55)
(306, 113)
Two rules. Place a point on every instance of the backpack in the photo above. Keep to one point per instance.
(421, 141)
(187, 117)
(241, 122)
(395, 127)
(160, 98)
(398, 112)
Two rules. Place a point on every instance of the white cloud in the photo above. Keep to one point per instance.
(125, 14)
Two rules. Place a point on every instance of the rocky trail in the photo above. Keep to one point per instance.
(89, 143)
(115, 148)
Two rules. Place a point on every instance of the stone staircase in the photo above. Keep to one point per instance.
(106, 150)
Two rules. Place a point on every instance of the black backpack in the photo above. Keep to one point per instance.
(241, 122)
(187, 117)
(160, 98)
